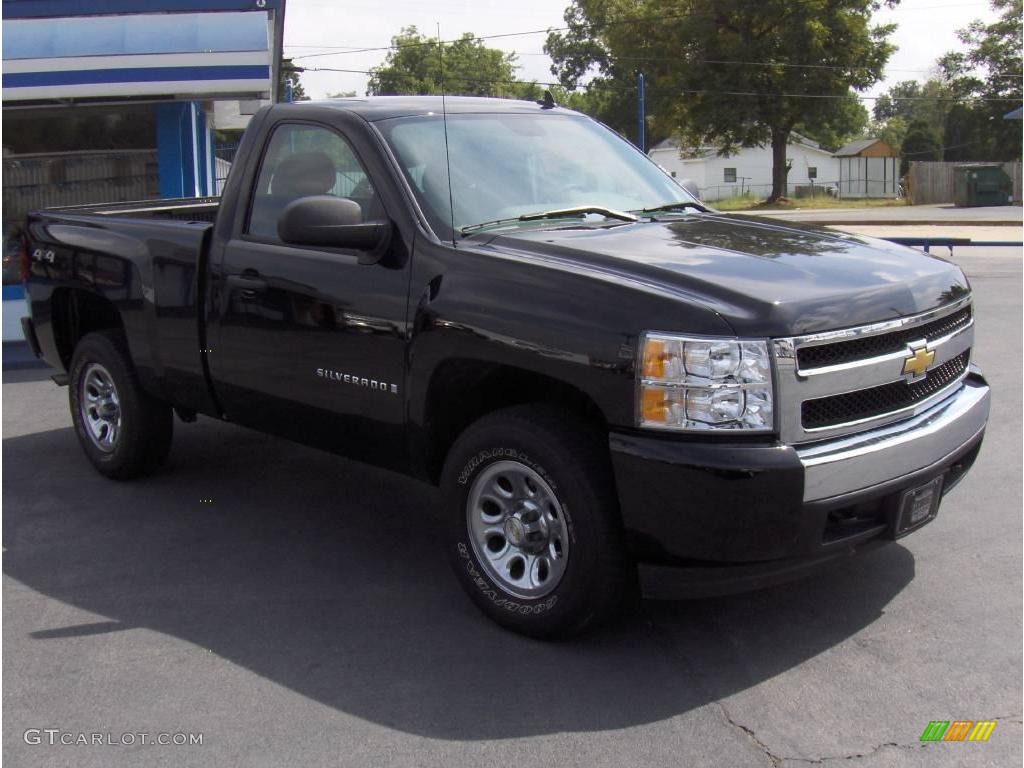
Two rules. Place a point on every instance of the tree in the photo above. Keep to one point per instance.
(987, 76)
(907, 102)
(912, 101)
(341, 95)
(892, 131)
(847, 121)
(967, 136)
(289, 75)
(922, 142)
(413, 66)
(729, 71)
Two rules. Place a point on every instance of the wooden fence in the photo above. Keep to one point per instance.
(932, 182)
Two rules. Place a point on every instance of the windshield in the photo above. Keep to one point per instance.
(506, 165)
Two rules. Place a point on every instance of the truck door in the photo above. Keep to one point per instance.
(310, 343)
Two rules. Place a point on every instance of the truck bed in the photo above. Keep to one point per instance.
(147, 260)
(181, 209)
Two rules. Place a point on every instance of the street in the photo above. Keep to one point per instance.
(296, 609)
(946, 214)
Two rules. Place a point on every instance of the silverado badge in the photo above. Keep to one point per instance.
(916, 366)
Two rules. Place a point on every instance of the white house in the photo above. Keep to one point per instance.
(749, 170)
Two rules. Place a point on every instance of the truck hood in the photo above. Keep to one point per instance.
(763, 278)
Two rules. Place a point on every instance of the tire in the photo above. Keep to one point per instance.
(123, 430)
(569, 572)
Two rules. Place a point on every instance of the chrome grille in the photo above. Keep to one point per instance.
(850, 380)
(868, 403)
(873, 346)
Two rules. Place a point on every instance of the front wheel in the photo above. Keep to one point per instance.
(123, 430)
(535, 537)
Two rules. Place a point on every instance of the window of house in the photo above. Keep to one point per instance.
(812, 172)
(730, 175)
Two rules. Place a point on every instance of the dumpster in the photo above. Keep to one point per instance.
(975, 185)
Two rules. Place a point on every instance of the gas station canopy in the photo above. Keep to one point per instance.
(189, 49)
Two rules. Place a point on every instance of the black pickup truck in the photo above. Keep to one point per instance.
(614, 385)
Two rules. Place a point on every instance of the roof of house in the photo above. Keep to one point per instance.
(1015, 114)
(708, 149)
(854, 148)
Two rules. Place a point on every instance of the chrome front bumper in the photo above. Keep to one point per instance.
(861, 461)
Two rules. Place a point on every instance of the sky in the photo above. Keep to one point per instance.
(927, 29)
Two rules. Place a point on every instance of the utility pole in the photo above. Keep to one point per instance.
(641, 113)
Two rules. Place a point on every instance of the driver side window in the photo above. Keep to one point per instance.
(305, 160)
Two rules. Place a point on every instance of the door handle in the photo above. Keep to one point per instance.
(249, 283)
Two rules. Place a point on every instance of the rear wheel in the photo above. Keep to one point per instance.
(535, 537)
(123, 430)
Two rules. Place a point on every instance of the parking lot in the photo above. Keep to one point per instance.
(305, 615)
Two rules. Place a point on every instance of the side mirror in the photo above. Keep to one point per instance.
(690, 186)
(335, 222)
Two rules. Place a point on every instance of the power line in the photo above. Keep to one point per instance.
(608, 86)
(752, 63)
(548, 30)
(431, 41)
(476, 38)
(726, 62)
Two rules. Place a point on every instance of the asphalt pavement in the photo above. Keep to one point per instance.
(295, 609)
(942, 215)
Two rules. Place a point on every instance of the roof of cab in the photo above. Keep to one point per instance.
(373, 108)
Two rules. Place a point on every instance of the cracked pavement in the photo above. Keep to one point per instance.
(307, 617)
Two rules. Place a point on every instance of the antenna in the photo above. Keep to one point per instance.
(444, 119)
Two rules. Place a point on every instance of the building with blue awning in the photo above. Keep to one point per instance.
(112, 100)
(179, 56)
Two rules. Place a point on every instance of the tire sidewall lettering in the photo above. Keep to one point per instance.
(496, 597)
(485, 455)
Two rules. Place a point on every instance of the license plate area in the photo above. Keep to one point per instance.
(918, 506)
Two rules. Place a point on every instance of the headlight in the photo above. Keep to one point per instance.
(693, 385)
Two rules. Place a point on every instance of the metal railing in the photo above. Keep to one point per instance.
(950, 242)
(224, 156)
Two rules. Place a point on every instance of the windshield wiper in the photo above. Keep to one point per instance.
(557, 213)
(579, 210)
(474, 227)
(668, 207)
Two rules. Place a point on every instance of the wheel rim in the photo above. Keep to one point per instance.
(100, 407)
(517, 529)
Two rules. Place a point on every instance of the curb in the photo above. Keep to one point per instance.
(17, 355)
(901, 223)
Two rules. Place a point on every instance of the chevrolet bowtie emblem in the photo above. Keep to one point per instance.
(917, 364)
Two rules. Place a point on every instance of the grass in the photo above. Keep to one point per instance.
(750, 203)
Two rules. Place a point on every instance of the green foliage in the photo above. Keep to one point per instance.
(227, 136)
(988, 68)
(848, 120)
(830, 46)
(979, 84)
(414, 66)
(911, 100)
(967, 135)
(907, 102)
(341, 95)
(290, 74)
(922, 142)
(612, 103)
(892, 131)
